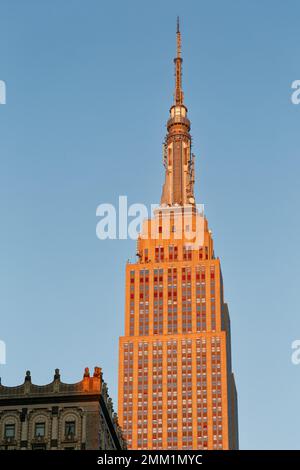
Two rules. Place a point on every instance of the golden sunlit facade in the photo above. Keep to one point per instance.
(176, 387)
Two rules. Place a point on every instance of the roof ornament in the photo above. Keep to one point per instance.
(28, 376)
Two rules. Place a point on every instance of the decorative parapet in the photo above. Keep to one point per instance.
(88, 385)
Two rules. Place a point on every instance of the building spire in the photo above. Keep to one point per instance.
(178, 38)
(178, 66)
(178, 188)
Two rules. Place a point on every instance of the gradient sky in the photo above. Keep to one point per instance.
(89, 86)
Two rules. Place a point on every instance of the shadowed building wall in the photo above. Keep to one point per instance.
(59, 416)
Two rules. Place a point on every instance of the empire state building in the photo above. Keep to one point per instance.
(176, 386)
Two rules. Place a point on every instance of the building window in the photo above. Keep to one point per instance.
(39, 430)
(10, 430)
(187, 252)
(70, 428)
(159, 253)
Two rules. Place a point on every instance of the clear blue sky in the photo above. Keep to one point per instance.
(89, 86)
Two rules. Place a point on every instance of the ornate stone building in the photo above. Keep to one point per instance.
(59, 416)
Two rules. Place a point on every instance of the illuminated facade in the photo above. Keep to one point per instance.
(176, 387)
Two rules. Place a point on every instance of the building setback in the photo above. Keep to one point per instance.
(59, 416)
(176, 386)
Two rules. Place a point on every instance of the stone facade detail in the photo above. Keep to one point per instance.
(59, 416)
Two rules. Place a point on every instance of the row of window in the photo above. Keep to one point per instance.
(160, 254)
(39, 430)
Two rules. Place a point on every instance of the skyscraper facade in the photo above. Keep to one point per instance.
(176, 386)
